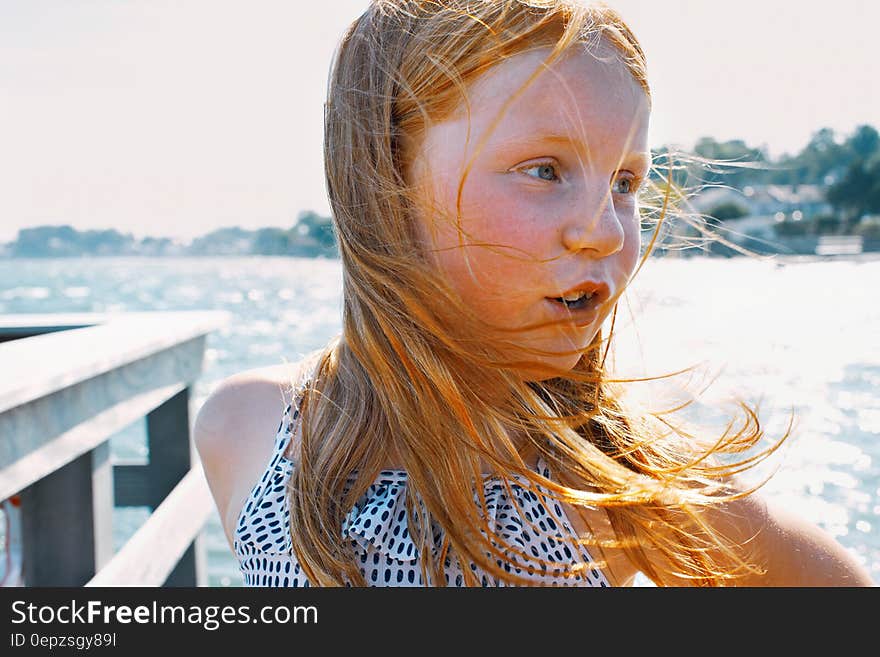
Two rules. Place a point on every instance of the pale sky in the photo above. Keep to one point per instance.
(176, 117)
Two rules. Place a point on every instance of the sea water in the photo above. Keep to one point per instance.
(786, 336)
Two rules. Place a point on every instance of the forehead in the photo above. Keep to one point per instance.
(577, 93)
(601, 65)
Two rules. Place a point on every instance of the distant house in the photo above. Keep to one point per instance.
(765, 205)
(768, 200)
(809, 200)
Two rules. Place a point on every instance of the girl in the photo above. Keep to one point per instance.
(484, 162)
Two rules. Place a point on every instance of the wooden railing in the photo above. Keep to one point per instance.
(67, 384)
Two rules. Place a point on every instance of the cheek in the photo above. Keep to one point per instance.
(633, 238)
(492, 271)
(623, 264)
(491, 215)
(487, 216)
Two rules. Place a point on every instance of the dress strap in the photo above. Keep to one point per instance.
(285, 433)
(292, 412)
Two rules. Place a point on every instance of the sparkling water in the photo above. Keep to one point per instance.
(798, 335)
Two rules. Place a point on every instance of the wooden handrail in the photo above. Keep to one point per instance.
(80, 440)
(151, 553)
(68, 384)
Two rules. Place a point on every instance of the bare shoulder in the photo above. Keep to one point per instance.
(796, 552)
(241, 401)
(234, 432)
(786, 549)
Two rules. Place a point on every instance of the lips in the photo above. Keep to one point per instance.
(600, 291)
(585, 312)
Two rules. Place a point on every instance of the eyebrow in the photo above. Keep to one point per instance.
(644, 159)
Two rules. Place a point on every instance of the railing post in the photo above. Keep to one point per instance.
(66, 395)
(168, 438)
(67, 522)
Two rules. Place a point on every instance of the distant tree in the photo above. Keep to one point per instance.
(64, 240)
(826, 224)
(317, 227)
(271, 241)
(232, 240)
(822, 157)
(823, 161)
(42, 241)
(792, 228)
(156, 242)
(669, 162)
(105, 242)
(730, 163)
(155, 246)
(727, 211)
(857, 193)
(864, 142)
(729, 150)
(869, 230)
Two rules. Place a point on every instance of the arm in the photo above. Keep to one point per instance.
(792, 551)
(233, 434)
(796, 552)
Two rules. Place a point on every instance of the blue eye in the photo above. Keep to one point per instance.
(546, 171)
(629, 185)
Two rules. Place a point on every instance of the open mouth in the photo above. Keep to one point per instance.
(575, 302)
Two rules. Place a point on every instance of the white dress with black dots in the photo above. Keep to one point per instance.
(377, 528)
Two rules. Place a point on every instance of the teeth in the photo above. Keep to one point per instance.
(576, 296)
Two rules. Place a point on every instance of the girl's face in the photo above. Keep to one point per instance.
(549, 202)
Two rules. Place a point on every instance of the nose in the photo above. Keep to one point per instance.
(594, 226)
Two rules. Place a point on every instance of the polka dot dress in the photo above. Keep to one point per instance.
(377, 528)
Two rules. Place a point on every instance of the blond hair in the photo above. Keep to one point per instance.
(418, 376)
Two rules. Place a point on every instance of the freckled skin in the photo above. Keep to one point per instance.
(559, 210)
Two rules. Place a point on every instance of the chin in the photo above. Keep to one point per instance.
(554, 367)
(549, 367)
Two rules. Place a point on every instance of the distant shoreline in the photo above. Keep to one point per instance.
(868, 256)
